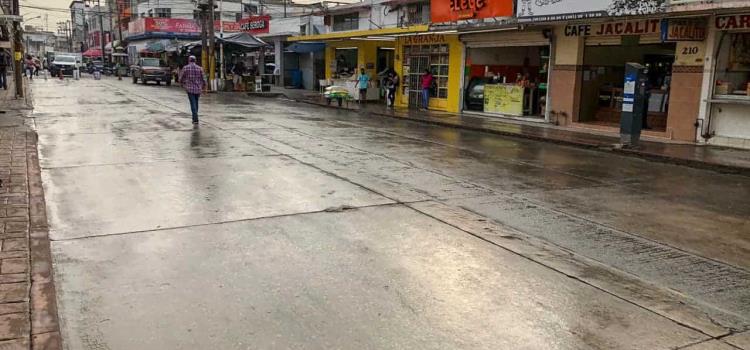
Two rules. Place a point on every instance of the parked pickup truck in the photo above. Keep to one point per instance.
(150, 69)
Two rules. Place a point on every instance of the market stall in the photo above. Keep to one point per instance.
(237, 46)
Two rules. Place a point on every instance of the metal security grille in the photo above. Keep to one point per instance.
(417, 66)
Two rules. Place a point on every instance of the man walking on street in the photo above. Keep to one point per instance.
(191, 78)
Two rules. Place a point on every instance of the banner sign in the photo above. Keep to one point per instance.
(174, 26)
(455, 10)
(640, 27)
(255, 24)
(503, 99)
(564, 10)
(693, 29)
(733, 22)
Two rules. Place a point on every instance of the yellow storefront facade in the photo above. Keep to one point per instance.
(442, 54)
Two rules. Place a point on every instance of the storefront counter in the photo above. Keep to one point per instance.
(373, 93)
(731, 99)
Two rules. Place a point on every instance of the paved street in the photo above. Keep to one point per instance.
(279, 225)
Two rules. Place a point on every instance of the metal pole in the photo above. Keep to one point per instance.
(101, 29)
(222, 73)
(17, 51)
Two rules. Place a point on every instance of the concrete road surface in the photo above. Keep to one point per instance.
(278, 225)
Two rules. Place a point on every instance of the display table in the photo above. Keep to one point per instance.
(373, 93)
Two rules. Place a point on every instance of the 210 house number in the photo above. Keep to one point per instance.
(690, 50)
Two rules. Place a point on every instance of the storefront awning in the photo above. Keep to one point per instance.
(93, 52)
(304, 47)
(240, 40)
(362, 33)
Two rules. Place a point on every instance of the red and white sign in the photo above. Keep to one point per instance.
(733, 22)
(255, 24)
(174, 26)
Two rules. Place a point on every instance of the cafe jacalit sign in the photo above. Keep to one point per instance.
(455, 10)
(556, 10)
(642, 27)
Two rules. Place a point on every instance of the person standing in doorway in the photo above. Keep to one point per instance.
(4, 62)
(363, 81)
(191, 78)
(427, 80)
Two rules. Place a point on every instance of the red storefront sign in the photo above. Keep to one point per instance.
(255, 24)
(174, 26)
(733, 22)
(454, 10)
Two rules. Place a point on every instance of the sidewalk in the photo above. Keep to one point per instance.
(700, 156)
(28, 306)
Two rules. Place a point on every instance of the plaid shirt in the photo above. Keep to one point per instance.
(191, 78)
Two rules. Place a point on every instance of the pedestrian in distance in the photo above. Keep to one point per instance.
(29, 67)
(191, 78)
(427, 80)
(392, 83)
(4, 62)
(238, 70)
(363, 81)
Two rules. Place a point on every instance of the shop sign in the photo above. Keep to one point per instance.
(454, 10)
(733, 22)
(684, 30)
(424, 39)
(255, 24)
(646, 26)
(690, 53)
(562, 10)
(173, 26)
(503, 99)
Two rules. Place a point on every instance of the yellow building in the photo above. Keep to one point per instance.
(409, 51)
(442, 54)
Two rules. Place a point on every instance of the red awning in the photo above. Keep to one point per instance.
(93, 52)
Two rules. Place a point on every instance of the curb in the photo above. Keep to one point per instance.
(609, 148)
(45, 324)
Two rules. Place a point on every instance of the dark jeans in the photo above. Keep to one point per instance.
(391, 96)
(194, 105)
(3, 78)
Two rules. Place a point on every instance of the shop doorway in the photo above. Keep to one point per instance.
(418, 65)
(507, 81)
(385, 60)
(603, 78)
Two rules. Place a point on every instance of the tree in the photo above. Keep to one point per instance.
(636, 7)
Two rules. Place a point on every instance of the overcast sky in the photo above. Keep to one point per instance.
(53, 16)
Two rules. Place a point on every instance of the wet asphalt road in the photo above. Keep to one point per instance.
(278, 225)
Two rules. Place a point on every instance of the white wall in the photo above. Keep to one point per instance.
(503, 55)
(731, 122)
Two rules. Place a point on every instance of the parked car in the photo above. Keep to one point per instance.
(66, 64)
(475, 94)
(151, 69)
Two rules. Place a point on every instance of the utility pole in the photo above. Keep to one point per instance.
(17, 50)
(204, 35)
(211, 44)
(101, 29)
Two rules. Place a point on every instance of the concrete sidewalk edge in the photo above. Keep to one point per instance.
(722, 168)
